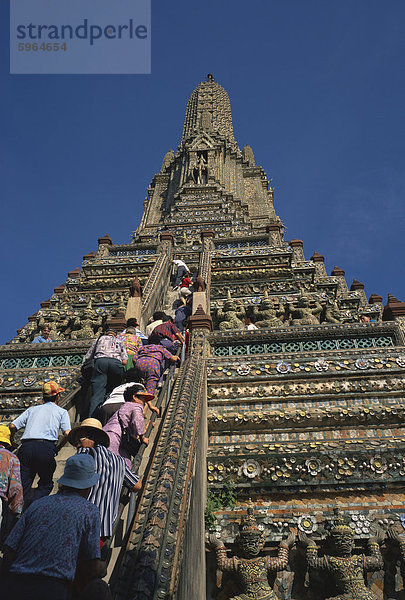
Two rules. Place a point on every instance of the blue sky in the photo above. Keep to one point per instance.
(316, 88)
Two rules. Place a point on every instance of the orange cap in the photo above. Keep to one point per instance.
(51, 388)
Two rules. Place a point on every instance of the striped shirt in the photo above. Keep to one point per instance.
(106, 493)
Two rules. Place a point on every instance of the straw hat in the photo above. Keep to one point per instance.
(5, 435)
(92, 428)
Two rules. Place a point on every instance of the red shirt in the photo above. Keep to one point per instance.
(186, 282)
(167, 330)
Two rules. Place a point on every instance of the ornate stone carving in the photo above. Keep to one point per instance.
(346, 569)
(303, 314)
(331, 312)
(268, 313)
(135, 291)
(229, 317)
(87, 325)
(251, 568)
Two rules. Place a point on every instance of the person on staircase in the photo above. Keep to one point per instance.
(155, 320)
(170, 336)
(38, 442)
(182, 313)
(151, 362)
(186, 282)
(11, 492)
(182, 271)
(130, 415)
(132, 322)
(43, 548)
(89, 438)
(109, 361)
(132, 344)
(114, 401)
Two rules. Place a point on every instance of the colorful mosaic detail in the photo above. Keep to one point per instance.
(383, 341)
(347, 414)
(117, 252)
(305, 392)
(27, 379)
(281, 366)
(302, 469)
(241, 244)
(40, 362)
(276, 520)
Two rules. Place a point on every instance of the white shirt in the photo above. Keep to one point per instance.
(117, 395)
(151, 327)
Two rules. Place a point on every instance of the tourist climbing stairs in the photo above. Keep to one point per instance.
(115, 547)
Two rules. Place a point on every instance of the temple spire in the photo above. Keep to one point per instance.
(208, 109)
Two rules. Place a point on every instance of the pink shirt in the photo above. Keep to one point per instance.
(131, 415)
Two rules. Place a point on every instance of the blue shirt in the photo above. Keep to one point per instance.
(53, 533)
(43, 422)
(41, 340)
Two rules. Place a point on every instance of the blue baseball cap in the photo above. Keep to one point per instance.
(80, 472)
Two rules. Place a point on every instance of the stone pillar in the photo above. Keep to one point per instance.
(274, 231)
(357, 286)
(60, 289)
(340, 274)
(103, 245)
(118, 322)
(297, 248)
(394, 310)
(134, 304)
(199, 299)
(134, 308)
(200, 320)
(75, 274)
(193, 559)
(319, 260)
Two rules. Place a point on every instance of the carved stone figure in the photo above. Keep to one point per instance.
(251, 568)
(303, 314)
(202, 170)
(267, 314)
(199, 285)
(25, 334)
(229, 317)
(199, 171)
(346, 569)
(399, 539)
(135, 291)
(88, 325)
(331, 312)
